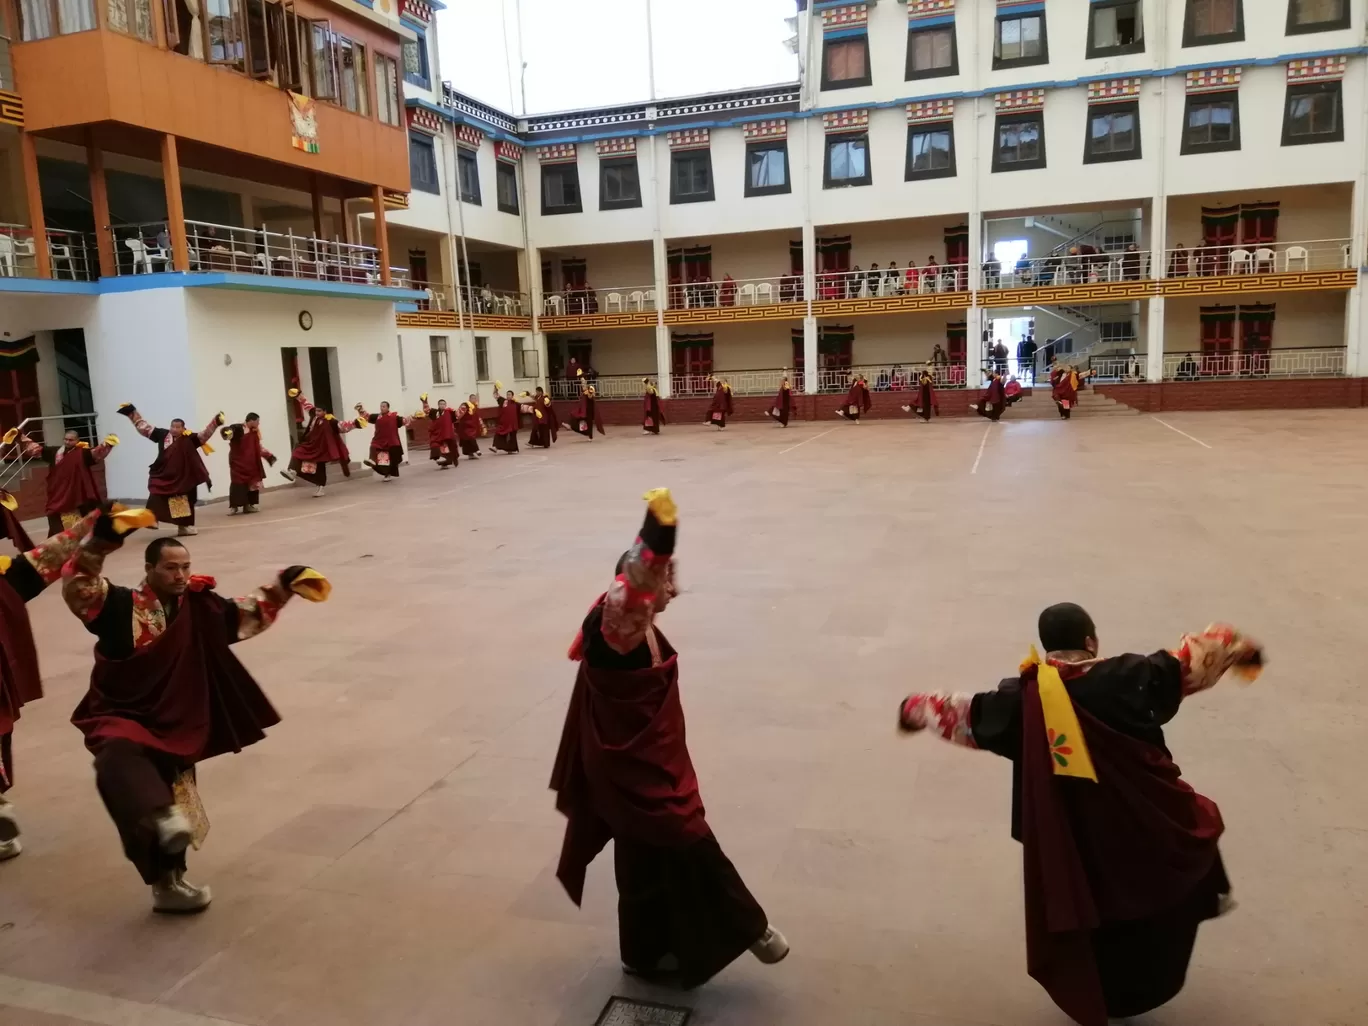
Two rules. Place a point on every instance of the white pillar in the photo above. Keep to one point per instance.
(973, 347)
(1154, 340)
(810, 368)
(529, 270)
(809, 321)
(1355, 364)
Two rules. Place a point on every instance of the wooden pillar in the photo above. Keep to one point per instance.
(381, 234)
(99, 200)
(41, 257)
(317, 188)
(175, 209)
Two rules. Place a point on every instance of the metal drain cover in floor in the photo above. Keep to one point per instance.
(621, 1011)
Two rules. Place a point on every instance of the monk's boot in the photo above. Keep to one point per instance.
(771, 948)
(173, 831)
(9, 831)
(174, 895)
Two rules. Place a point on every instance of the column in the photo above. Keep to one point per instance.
(974, 321)
(346, 221)
(976, 254)
(99, 201)
(1355, 361)
(316, 191)
(664, 354)
(175, 209)
(1154, 340)
(1158, 267)
(381, 234)
(809, 321)
(29, 157)
(529, 284)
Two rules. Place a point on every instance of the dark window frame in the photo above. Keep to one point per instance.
(422, 79)
(1293, 29)
(1138, 46)
(911, 74)
(1020, 62)
(692, 155)
(934, 127)
(617, 162)
(1295, 90)
(1017, 118)
(844, 183)
(1190, 37)
(847, 83)
(467, 154)
(507, 168)
(1131, 107)
(1231, 96)
(428, 145)
(761, 146)
(557, 169)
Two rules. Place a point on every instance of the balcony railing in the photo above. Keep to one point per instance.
(477, 299)
(1067, 269)
(787, 288)
(146, 249)
(1199, 366)
(71, 254)
(891, 281)
(618, 299)
(613, 386)
(1251, 258)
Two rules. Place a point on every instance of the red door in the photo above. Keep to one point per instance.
(1218, 346)
(19, 396)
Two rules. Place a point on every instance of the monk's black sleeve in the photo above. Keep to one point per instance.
(995, 719)
(26, 581)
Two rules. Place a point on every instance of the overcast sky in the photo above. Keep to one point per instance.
(590, 53)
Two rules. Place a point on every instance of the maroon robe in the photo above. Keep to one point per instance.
(467, 426)
(587, 419)
(721, 406)
(1062, 387)
(442, 434)
(506, 426)
(651, 415)
(783, 405)
(322, 444)
(244, 458)
(13, 528)
(386, 448)
(71, 485)
(20, 681)
(178, 469)
(857, 400)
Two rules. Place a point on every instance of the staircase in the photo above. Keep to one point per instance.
(1039, 406)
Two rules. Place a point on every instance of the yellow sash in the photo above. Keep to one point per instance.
(1068, 749)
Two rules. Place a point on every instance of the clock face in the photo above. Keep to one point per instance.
(305, 319)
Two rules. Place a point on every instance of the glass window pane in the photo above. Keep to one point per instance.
(840, 160)
(857, 159)
(922, 51)
(1030, 37)
(1104, 27)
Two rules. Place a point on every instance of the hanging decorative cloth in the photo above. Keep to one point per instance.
(1068, 749)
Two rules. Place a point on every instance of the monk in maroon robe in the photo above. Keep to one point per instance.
(166, 694)
(174, 477)
(72, 491)
(387, 446)
(857, 400)
(506, 426)
(586, 416)
(721, 406)
(245, 470)
(1119, 855)
(543, 421)
(652, 416)
(23, 579)
(1064, 385)
(443, 446)
(623, 773)
(925, 403)
(322, 444)
(783, 404)
(993, 400)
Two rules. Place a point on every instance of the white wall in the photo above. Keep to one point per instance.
(417, 348)
(908, 340)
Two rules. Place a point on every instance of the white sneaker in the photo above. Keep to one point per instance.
(771, 948)
(10, 849)
(252, 509)
(232, 511)
(173, 831)
(187, 532)
(319, 494)
(9, 826)
(368, 463)
(289, 475)
(174, 895)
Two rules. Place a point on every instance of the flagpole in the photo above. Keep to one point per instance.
(650, 51)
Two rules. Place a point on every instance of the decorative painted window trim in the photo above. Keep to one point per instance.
(690, 139)
(1113, 90)
(1317, 69)
(846, 121)
(557, 153)
(755, 131)
(739, 101)
(469, 135)
(418, 10)
(840, 19)
(924, 112)
(481, 111)
(508, 151)
(1019, 101)
(919, 9)
(1213, 80)
(424, 120)
(619, 147)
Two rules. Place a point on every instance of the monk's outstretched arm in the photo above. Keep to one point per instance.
(946, 715)
(141, 423)
(84, 586)
(209, 429)
(631, 599)
(1206, 657)
(40, 566)
(258, 610)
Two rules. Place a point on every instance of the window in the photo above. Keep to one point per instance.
(1316, 16)
(847, 161)
(931, 52)
(387, 106)
(506, 186)
(323, 59)
(524, 359)
(416, 61)
(767, 168)
(845, 62)
(351, 70)
(481, 358)
(1314, 114)
(930, 151)
(1116, 331)
(1213, 21)
(223, 41)
(691, 178)
(560, 189)
(423, 163)
(39, 19)
(1114, 27)
(1211, 123)
(441, 359)
(1113, 132)
(619, 185)
(1020, 40)
(132, 17)
(1020, 142)
(468, 175)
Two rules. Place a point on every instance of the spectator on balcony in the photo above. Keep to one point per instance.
(872, 279)
(992, 273)
(1131, 261)
(728, 296)
(925, 402)
(174, 478)
(854, 281)
(857, 400)
(1178, 262)
(911, 278)
(791, 288)
(938, 355)
(1025, 273)
(932, 272)
(892, 284)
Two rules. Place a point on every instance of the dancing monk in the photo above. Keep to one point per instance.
(926, 403)
(623, 773)
(721, 407)
(322, 444)
(506, 425)
(441, 434)
(245, 472)
(543, 421)
(651, 415)
(167, 693)
(174, 477)
(387, 446)
(71, 488)
(21, 580)
(783, 404)
(587, 419)
(857, 400)
(1119, 855)
(993, 400)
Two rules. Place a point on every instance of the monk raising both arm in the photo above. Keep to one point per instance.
(174, 478)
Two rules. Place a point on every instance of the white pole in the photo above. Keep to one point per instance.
(650, 51)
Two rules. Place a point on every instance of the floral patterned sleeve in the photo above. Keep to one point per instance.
(100, 451)
(630, 603)
(84, 586)
(208, 431)
(305, 405)
(1206, 657)
(142, 425)
(257, 611)
(947, 715)
(49, 557)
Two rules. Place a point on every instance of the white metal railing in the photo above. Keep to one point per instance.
(1257, 258)
(618, 299)
(784, 288)
(15, 461)
(70, 254)
(1267, 363)
(1072, 268)
(891, 281)
(613, 386)
(478, 299)
(742, 382)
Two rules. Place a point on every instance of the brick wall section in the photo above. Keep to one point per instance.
(33, 491)
(886, 405)
(1176, 396)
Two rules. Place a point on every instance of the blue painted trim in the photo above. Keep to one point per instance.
(436, 5)
(921, 23)
(445, 113)
(210, 280)
(1007, 11)
(48, 286)
(409, 21)
(367, 3)
(850, 33)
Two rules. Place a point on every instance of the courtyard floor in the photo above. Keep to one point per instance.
(386, 856)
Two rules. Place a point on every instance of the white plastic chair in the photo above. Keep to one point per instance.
(611, 300)
(1295, 253)
(1348, 252)
(1265, 260)
(745, 295)
(636, 301)
(1240, 261)
(554, 305)
(139, 251)
(651, 297)
(60, 252)
(764, 292)
(6, 256)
